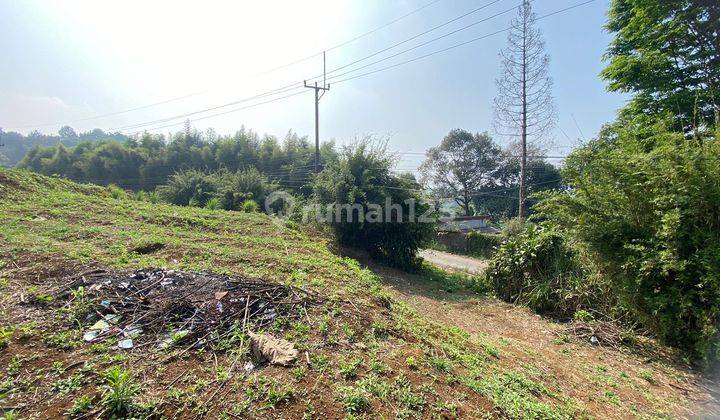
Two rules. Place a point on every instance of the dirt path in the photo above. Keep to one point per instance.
(604, 382)
(453, 262)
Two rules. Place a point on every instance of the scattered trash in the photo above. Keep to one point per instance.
(125, 344)
(166, 307)
(274, 350)
(132, 331)
(249, 366)
(90, 335)
(594, 340)
(100, 325)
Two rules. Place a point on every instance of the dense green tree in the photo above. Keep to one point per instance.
(499, 200)
(149, 160)
(667, 53)
(460, 166)
(369, 207)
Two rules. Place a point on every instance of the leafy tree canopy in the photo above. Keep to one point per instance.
(666, 52)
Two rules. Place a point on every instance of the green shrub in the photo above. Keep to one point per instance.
(119, 391)
(536, 268)
(512, 227)
(239, 187)
(358, 192)
(250, 206)
(644, 205)
(116, 192)
(212, 204)
(189, 188)
(482, 244)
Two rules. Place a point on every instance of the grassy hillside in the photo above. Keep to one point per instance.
(363, 352)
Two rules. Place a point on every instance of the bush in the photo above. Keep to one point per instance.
(116, 192)
(227, 190)
(212, 204)
(189, 188)
(538, 269)
(250, 206)
(644, 204)
(482, 244)
(358, 192)
(239, 187)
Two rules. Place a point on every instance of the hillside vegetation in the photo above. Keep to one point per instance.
(363, 352)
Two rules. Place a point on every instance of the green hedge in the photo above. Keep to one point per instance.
(482, 244)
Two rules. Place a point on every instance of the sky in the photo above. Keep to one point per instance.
(85, 63)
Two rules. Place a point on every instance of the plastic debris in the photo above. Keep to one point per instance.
(169, 307)
(249, 366)
(100, 325)
(132, 331)
(90, 335)
(125, 344)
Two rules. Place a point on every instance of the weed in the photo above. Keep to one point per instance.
(412, 363)
(212, 204)
(374, 386)
(11, 415)
(378, 366)
(354, 400)
(119, 391)
(28, 330)
(611, 397)
(349, 332)
(5, 336)
(380, 329)
(583, 316)
(647, 375)
(319, 361)
(349, 367)
(58, 367)
(81, 406)
(14, 365)
(116, 192)
(38, 297)
(298, 372)
(562, 339)
(79, 307)
(440, 363)
(69, 384)
(405, 397)
(64, 340)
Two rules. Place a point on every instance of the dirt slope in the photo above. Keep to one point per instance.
(365, 352)
(605, 382)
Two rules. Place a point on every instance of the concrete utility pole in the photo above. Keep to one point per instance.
(325, 87)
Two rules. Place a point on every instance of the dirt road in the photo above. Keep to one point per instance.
(453, 262)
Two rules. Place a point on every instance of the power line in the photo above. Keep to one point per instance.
(262, 73)
(409, 60)
(294, 86)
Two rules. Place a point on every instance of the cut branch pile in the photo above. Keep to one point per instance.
(597, 332)
(163, 307)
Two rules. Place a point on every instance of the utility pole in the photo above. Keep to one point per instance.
(325, 87)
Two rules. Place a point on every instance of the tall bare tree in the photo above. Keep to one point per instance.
(524, 104)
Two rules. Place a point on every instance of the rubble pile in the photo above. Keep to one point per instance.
(164, 307)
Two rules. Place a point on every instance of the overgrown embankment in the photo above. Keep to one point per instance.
(361, 352)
